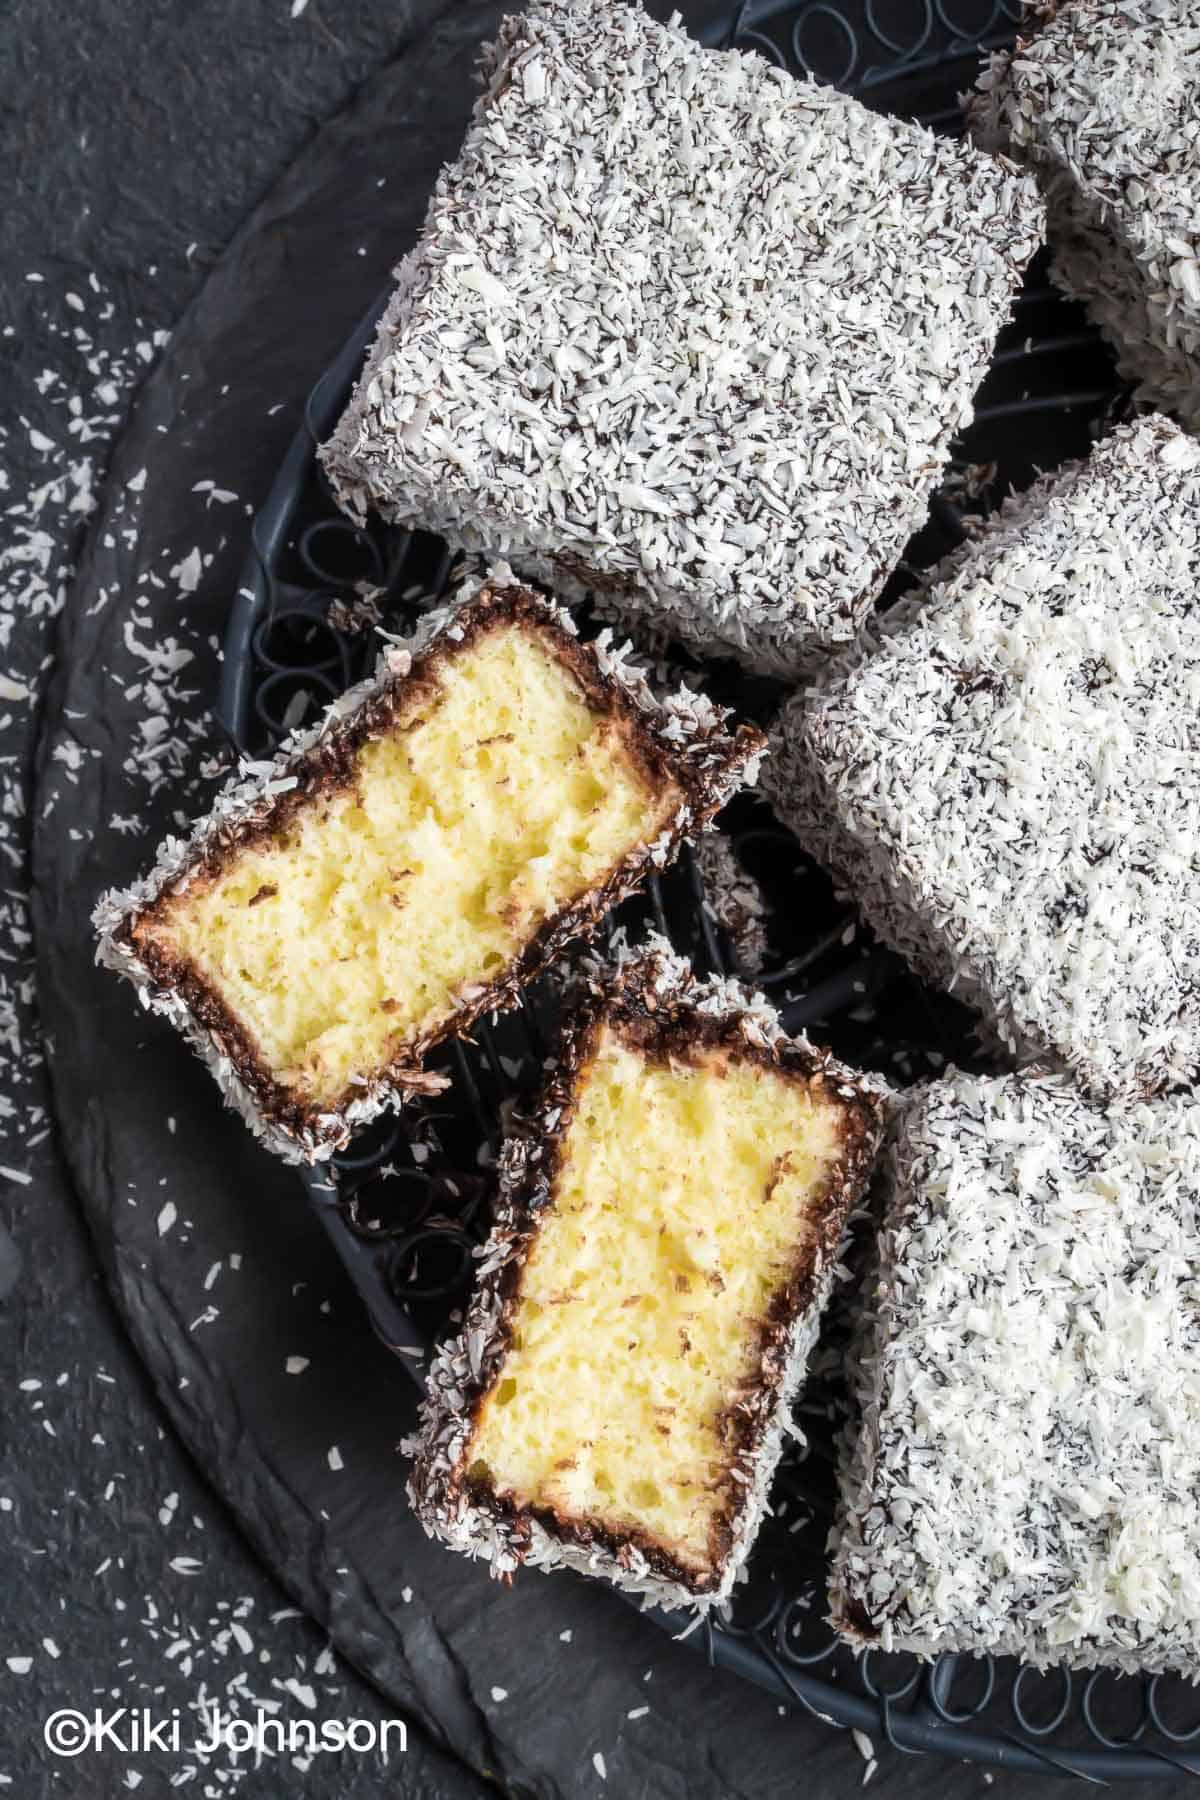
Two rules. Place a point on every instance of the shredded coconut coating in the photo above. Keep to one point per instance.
(1024, 1476)
(1004, 776)
(1103, 102)
(699, 738)
(686, 332)
(735, 901)
(660, 981)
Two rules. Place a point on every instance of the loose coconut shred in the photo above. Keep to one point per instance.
(1103, 101)
(1003, 774)
(1024, 1478)
(685, 331)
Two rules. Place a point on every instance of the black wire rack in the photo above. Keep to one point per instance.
(408, 1202)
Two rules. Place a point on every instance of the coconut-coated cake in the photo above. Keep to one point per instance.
(409, 863)
(1022, 1475)
(686, 333)
(668, 1230)
(1005, 776)
(1101, 98)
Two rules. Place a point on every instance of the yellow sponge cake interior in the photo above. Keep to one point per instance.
(498, 790)
(690, 1185)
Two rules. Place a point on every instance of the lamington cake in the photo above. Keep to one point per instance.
(1006, 775)
(686, 333)
(1102, 99)
(668, 1229)
(1024, 1473)
(409, 863)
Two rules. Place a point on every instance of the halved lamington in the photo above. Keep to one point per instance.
(686, 333)
(411, 862)
(667, 1234)
(1102, 99)
(1006, 777)
(1024, 1473)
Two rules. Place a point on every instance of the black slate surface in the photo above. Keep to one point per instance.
(494, 1673)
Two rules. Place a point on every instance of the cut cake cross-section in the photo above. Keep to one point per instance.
(668, 1232)
(410, 863)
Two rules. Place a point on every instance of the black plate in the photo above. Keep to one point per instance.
(410, 1199)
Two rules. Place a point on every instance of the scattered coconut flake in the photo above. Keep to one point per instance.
(189, 572)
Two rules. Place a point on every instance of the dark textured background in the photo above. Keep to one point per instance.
(137, 142)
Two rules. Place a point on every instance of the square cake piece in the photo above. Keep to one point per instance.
(411, 862)
(1102, 99)
(1024, 1474)
(1006, 776)
(668, 1231)
(686, 333)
